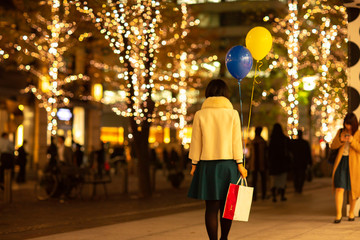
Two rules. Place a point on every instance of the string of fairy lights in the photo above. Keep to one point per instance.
(52, 38)
(129, 39)
(320, 54)
(153, 62)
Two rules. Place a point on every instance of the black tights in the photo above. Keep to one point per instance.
(211, 219)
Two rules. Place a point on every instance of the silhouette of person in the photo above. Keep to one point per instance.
(52, 153)
(279, 160)
(301, 159)
(6, 155)
(78, 155)
(258, 162)
(21, 159)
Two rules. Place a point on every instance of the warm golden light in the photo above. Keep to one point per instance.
(78, 128)
(19, 136)
(112, 135)
(167, 135)
(45, 85)
(97, 92)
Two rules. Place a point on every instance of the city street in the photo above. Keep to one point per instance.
(307, 216)
(170, 215)
(105, 106)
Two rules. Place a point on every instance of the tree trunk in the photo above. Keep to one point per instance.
(142, 150)
(141, 145)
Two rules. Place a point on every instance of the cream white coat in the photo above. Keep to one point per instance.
(216, 133)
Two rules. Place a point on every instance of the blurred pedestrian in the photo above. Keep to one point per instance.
(66, 166)
(301, 151)
(166, 159)
(154, 166)
(174, 159)
(217, 155)
(78, 155)
(21, 161)
(52, 153)
(6, 155)
(64, 153)
(258, 162)
(100, 160)
(279, 161)
(347, 164)
(118, 158)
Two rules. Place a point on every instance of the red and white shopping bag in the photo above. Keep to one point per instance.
(238, 201)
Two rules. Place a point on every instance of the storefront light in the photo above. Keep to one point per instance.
(97, 92)
(167, 135)
(19, 136)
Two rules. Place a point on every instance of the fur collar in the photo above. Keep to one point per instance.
(217, 102)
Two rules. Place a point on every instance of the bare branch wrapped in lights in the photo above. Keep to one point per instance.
(50, 38)
(156, 66)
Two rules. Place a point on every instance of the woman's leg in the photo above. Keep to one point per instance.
(339, 198)
(225, 224)
(352, 202)
(254, 183)
(211, 218)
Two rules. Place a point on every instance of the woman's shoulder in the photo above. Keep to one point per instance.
(357, 133)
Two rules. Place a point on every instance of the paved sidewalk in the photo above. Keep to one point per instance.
(303, 217)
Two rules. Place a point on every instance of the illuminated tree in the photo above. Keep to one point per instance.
(311, 41)
(155, 65)
(39, 43)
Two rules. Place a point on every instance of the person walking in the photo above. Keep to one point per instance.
(64, 153)
(217, 155)
(78, 155)
(258, 162)
(279, 161)
(302, 159)
(346, 172)
(22, 160)
(52, 153)
(101, 160)
(6, 155)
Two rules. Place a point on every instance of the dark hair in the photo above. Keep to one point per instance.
(300, 134)
(217, 87)
(258, 131)
(351, 119)
(62, 138)
(277, 133)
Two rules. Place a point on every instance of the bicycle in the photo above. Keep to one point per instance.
(59, 181)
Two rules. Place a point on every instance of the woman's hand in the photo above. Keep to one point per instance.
(350, 138)
(343, 137)
(242, 170)
(193, 167)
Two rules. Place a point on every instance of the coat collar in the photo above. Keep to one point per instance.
(217, 102)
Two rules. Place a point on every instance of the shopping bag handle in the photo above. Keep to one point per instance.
(241, 179)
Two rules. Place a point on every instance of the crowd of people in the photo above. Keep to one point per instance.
(59, 154)
(279, 159)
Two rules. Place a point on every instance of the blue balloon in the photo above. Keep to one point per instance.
(239, 61)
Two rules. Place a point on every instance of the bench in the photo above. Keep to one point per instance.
(94, 181)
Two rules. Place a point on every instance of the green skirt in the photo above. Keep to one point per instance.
(211, 179)
(342, 174)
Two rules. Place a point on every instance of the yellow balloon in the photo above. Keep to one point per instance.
(259, 42)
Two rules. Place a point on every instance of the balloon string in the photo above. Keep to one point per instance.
(257, 68)
(241, 120)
